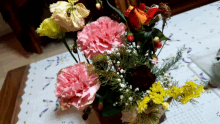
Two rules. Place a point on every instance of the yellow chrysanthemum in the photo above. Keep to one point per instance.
(191, 90)
(142, 105)
(174, 92)
(165, 105)
(157, 93)
(50, 28)
(187, 92)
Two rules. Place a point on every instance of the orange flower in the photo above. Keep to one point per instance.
(137, 17)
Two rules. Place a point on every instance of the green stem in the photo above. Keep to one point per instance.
(66, 45)
(78, 54)
(161, 48)
(87, 59)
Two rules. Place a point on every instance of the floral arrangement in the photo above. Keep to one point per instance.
(124, 76)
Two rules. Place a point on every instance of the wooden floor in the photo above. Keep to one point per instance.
(12, 55)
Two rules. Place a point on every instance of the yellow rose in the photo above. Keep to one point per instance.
(69, 16)
(51, 29)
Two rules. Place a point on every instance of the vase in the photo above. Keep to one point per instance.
(116, 119)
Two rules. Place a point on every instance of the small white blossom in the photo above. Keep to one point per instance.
(148, 91)
(138, 46)
(156, 39)
(169, 84)
(117, 73)
(126, 104)
(109, 62)
(136, 89)
(114, 104)
(130, 86)
(128, 51)
(135, 52)
(121, 76)
(122, 71)
(165, 75)
(122, 85)
(118, 54)
(118, 62)
(120, 89)
(122, 45)
(121, 97)
(130, 98)
(127, 90)
(119, 80)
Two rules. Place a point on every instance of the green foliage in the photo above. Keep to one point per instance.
(170, 64)
(108, 108)
(157, 33)
(122, 15)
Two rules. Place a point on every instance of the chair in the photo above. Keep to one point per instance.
(23, 16)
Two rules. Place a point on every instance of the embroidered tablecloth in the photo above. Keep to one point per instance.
(197, 29)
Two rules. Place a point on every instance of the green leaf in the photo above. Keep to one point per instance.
(122, 15)
(157, 33)
(110, 111)
(145, 45)
(108, 108)
(139, 35)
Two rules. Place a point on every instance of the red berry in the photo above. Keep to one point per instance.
(142, 6)
(100, 107)
(130, 38)
(119, 68)
(98, 6)
(158, 45)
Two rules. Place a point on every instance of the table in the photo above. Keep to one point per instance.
(10, 95)
(195, 21)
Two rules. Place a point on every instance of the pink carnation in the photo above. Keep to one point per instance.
(76, 87)
(99, 36)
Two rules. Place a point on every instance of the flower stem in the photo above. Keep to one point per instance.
(87, 59)
(78, 55)
(66, 45)
(161, 48)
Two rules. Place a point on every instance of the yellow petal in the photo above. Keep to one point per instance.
(73, 1)
(81, 9)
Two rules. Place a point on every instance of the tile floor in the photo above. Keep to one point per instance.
(12, 55)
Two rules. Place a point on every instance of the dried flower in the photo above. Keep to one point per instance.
(142, 78)
(69, 16)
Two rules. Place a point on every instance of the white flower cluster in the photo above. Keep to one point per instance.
(145, 93)
(166, 80)
(131, 49)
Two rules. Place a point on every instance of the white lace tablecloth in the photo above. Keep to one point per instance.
(198, 29)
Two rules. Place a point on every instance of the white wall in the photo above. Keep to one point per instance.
(4, 27)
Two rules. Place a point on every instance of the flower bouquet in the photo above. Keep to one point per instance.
(121, 76)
